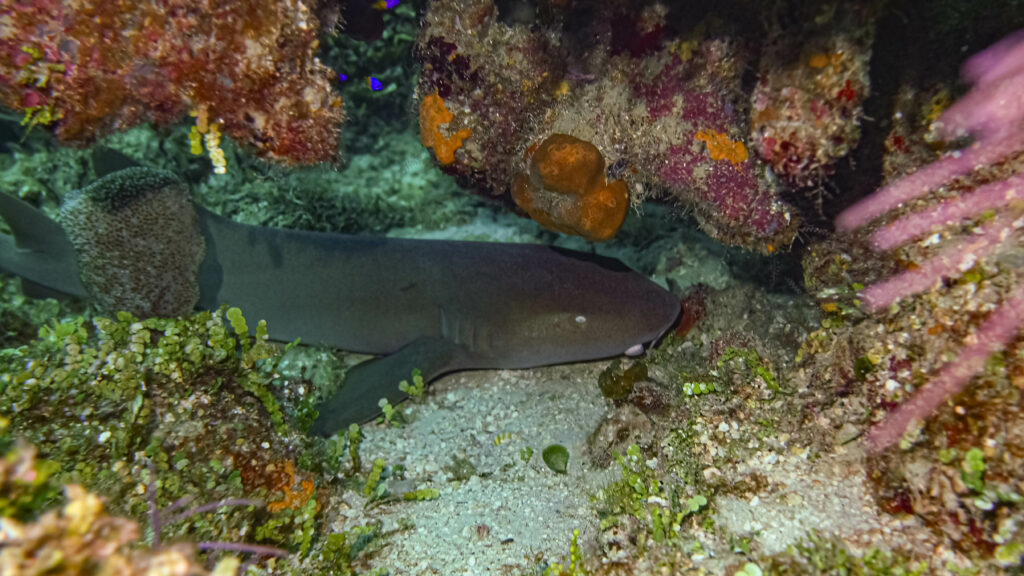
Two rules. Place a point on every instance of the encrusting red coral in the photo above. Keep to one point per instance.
(566, 190)
(89, 68)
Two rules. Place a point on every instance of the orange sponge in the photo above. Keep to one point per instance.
(566, 191)
(433, 114)
(721, 148)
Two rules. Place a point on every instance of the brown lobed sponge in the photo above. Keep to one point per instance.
(566, 191)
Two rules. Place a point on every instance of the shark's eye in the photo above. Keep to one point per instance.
(581, 319)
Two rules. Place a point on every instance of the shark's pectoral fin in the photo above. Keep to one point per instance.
(41, 291)
(358, 400)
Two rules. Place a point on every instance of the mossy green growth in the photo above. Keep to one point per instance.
(750, 569)
(422, 494)
(355, 439)
(391, 416)
(342, 548)
(576, 565)
(820, 555)
(1009, 555)
(641, 495)
(754, 363)
(697, 387)
(294, 527)
(416, 390)
(20, 316)
(972, 472)
(373, 489)
(95, 394)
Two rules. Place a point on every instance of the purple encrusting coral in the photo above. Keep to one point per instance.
(992, 112)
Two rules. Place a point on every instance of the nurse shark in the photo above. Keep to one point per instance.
(436, 306)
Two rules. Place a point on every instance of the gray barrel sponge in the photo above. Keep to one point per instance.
(137, 241)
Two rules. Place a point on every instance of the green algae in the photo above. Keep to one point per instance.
(617, 381)
(556, 457)
(416, 390)
(822, 555)
(753, 362)
(659, 505)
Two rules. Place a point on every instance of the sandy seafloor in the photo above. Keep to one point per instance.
(501, 518)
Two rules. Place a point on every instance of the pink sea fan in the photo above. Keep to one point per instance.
(993, 113)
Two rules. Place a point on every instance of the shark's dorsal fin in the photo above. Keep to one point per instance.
(106, 161)
(32, 229)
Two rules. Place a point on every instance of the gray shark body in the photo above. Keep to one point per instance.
(436, 306)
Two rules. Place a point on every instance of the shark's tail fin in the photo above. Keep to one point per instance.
(40, 251)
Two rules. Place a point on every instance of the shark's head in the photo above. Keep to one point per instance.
(608, 310)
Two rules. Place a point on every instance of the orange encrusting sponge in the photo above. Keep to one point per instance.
(433, 114)
(566, 191)
(721, 148)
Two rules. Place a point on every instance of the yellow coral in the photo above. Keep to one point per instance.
(721, 148)
(209, 134)
(434, 114)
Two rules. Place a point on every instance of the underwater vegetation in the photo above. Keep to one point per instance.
(172, 423)
(80, 537)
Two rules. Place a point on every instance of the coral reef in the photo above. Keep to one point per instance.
(922, 300)
(807, 106)
(992, 112)
(664, 109)
(248, 70)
